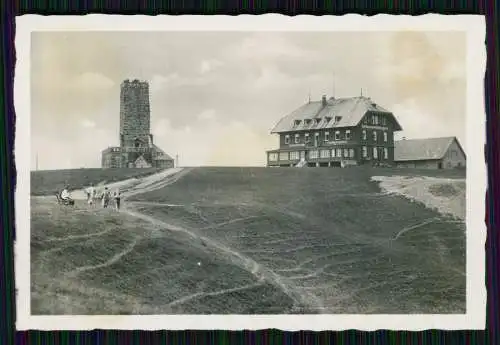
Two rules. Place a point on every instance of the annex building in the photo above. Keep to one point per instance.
(137, 149)
(335, 132)
(431, 153)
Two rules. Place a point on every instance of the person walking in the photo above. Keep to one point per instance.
(94, 195)
(90, 195)
(105, 197)
(117, 197)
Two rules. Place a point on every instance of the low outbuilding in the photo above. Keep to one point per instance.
(430, 153)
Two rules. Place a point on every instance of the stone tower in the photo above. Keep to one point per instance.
(134, 114)
(136, 149)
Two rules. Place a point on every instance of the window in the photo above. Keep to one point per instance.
(313, 154)
(307, 121)
(333, 153)
(375, 153)
(375, 120)
(317, 120)
(365, 152)
(365, 120)
(348, 135)
(346, 153)
(374, 136)
(386, 153)
(297, 138)
(351, 153)
(324, 153)
(383, 120)
(287, 139)
(337, 135)
(307, 138)
(294, 155)
(337, 119)
(273, 157)
(327, 136)
(283, 156)
(385, 137)
(339, 153)
(364, 134)
(296, 123)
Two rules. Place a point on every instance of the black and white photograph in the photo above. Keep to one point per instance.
(262, 172)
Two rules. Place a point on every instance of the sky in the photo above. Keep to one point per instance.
(215, 96)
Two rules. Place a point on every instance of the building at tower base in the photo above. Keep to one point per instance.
(136, 149)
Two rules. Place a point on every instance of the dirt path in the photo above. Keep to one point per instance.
(301, 297)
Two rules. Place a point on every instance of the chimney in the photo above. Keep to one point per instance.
(323, 100)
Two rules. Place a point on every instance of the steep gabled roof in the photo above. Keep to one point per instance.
(162, 156)
(423, 149)
(141, 159)
(350, 110)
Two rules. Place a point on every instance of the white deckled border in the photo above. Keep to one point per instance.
(476, 170)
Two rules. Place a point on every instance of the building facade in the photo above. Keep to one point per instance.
(136, 149)
(431, 153)
(335, 133)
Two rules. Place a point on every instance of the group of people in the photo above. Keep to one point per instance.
(93, 195)
(105, 196)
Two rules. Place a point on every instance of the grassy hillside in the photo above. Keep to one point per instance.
(47, 182)
(266, 240)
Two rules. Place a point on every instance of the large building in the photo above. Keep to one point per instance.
(335, 132)
(431, 153)
(136, 149)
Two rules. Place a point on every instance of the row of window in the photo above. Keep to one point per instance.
(334, 153)
(307, 138)
(348, 136)
(317, 120)
(314, 154)
(375, 120)
(364, 136)
(375, 152)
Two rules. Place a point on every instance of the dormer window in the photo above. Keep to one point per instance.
(296, 123)
(337, 119)
(307, 121)
(317, 120)
(328, 119)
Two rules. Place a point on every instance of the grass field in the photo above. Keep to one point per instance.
(47, 182)
(252, 240)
